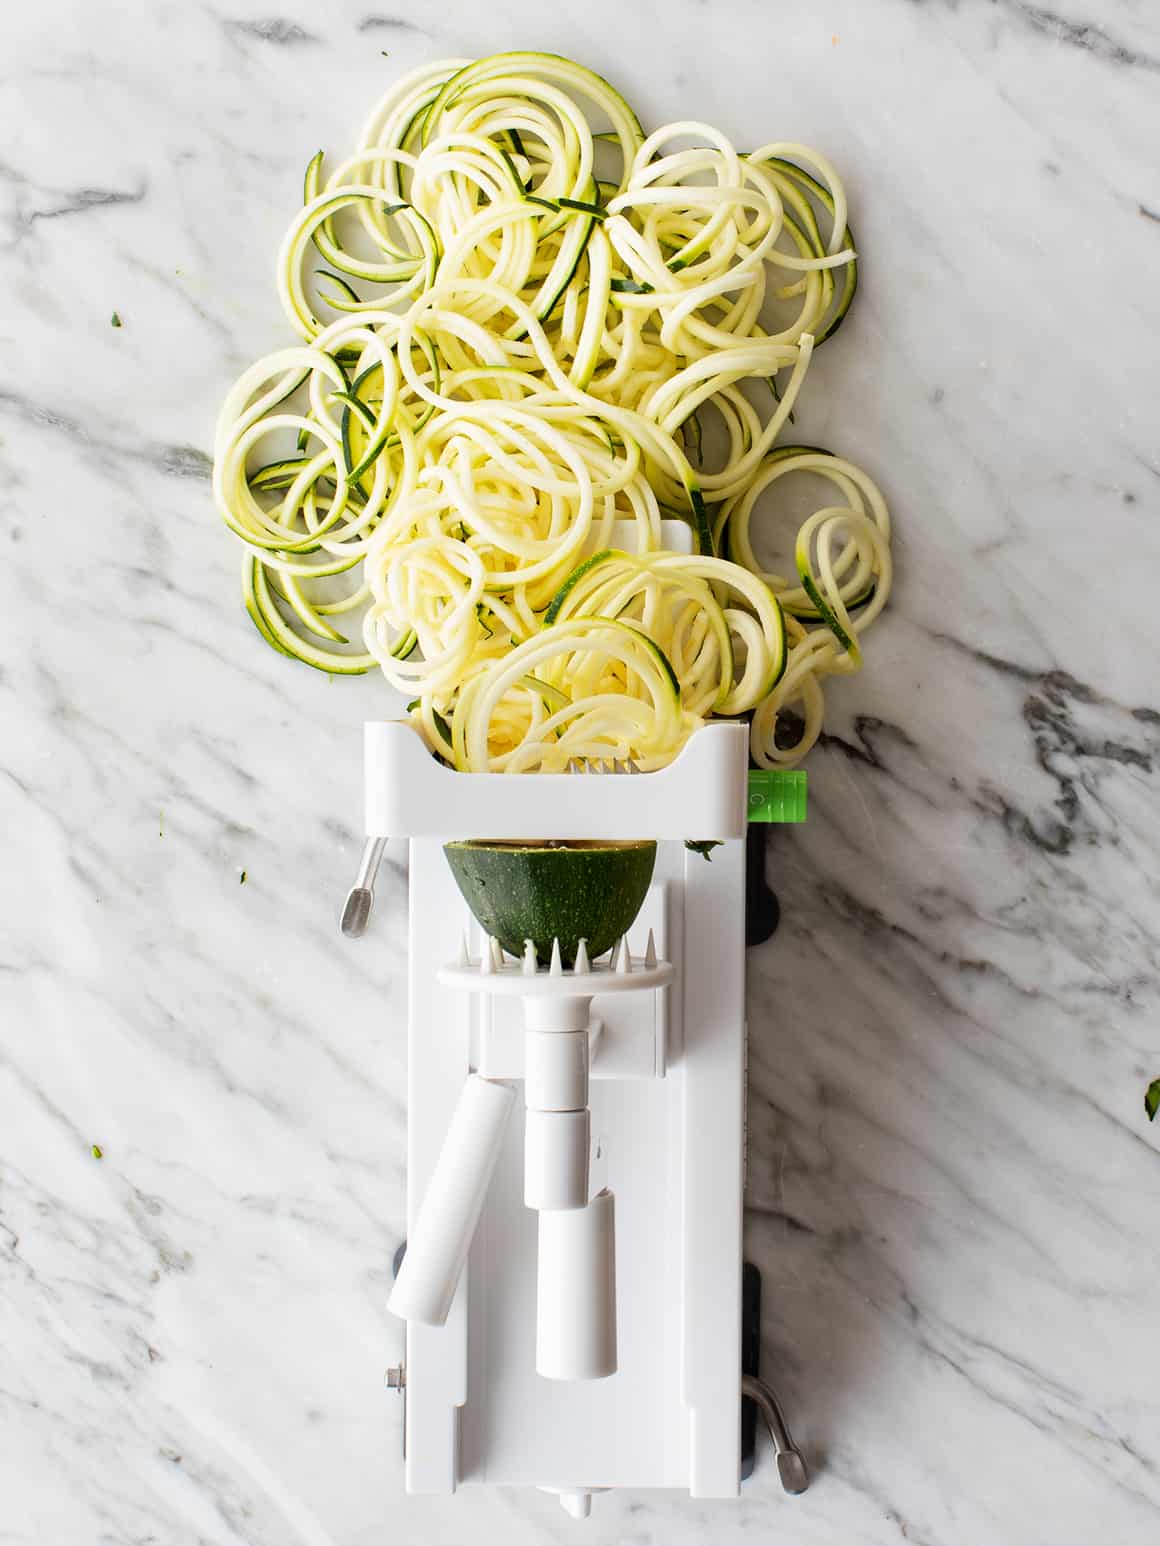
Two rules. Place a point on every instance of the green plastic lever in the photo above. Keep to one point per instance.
(777, 794)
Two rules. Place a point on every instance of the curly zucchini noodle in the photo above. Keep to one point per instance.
(525, 325)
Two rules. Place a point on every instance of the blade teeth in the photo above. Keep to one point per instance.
(556, 966)
(581, 966)
(530, 963)
(650, 951)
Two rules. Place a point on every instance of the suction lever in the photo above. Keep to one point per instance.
(762, 909)
(356, 909)
(774, 795)
(791, 1466)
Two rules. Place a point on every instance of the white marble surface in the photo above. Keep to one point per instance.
(954, 1191)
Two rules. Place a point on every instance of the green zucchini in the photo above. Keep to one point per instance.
(589, 891)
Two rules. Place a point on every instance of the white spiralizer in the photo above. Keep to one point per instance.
(572, 1282)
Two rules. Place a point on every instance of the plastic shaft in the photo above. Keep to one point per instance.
(556, 1135)
(556, 1159)
(576, 1292)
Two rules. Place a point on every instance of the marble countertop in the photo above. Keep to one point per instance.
(953, 1190)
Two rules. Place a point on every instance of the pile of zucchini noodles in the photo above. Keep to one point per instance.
(524, 321)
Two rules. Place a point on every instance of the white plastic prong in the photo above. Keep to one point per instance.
(556, 966)
(464, 955)
(625, 956)
(486, 958)
(497, 957)
(575, 766)
(530, 962)
(650, 952)
(581, 965)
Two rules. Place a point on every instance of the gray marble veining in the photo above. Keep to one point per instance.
(953, 1189)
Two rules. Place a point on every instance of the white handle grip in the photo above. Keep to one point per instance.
(438, 1244)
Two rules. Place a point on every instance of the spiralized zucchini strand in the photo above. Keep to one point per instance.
(522, 324)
